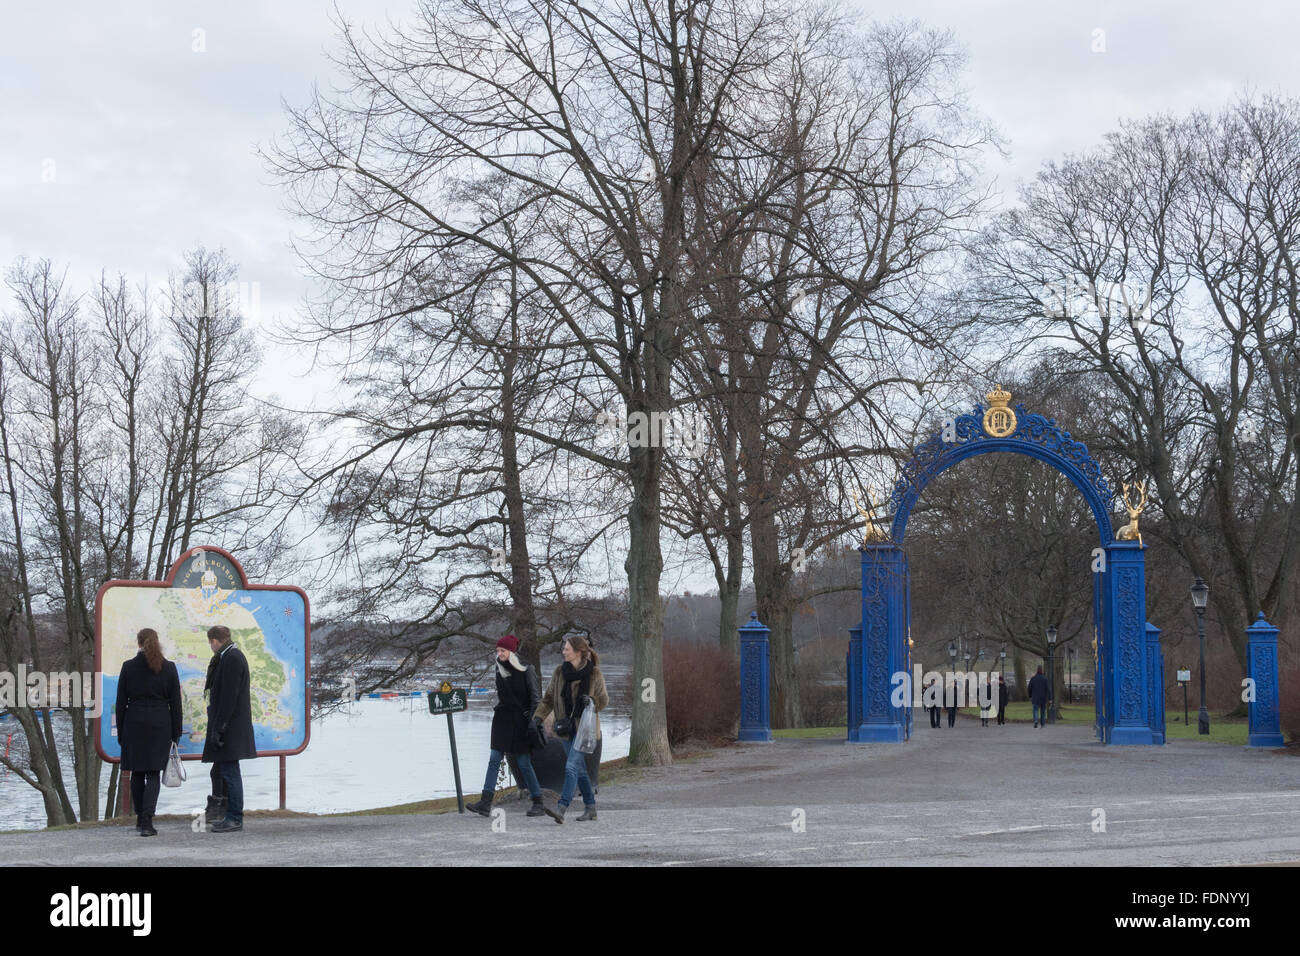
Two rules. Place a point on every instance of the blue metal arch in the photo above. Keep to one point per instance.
(1035, 436)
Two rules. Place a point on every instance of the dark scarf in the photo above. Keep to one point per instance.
(571, 674)
(212, 669)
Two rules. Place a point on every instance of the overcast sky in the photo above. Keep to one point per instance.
(122, 145)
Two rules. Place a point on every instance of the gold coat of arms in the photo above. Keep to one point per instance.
(999, 420)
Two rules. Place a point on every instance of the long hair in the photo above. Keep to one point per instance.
(584, 650)
(153, 655)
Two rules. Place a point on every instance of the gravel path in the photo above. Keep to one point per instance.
(969, 795)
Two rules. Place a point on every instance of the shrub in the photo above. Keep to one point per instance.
(702, 691)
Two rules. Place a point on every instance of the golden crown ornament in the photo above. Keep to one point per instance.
(999, 420)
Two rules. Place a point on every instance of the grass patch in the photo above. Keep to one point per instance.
(811, 733)
(1222, 731)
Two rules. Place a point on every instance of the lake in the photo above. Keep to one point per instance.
(375, 753)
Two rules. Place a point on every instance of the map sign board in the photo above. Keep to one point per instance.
(270, 624)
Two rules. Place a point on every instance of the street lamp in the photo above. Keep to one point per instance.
(1003, 654)
(1051, 675)
(1200, 595)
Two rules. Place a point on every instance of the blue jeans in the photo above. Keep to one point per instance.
(1040, 709)
(234, 790)
(525, 770)
(575, 776)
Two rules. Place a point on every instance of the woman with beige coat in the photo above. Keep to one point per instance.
(576, 685)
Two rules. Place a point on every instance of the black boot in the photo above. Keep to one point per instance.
(538, 809)
(139, 823)
(146, 827)
(216, 811)
(483, 807)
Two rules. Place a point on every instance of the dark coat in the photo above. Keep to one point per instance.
(1003, 695)
(517, 697)
(1038, 689)
(230, 711)
(148, 714)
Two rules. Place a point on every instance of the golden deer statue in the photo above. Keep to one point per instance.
(1130, 531)
(870, 531)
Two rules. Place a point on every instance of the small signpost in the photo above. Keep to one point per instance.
(451, 700)
(1185, 678)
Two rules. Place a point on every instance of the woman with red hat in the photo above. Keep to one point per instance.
(518, 694)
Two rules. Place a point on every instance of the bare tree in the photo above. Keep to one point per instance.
(1165, 261)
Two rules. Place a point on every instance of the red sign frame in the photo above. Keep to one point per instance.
(246, 586)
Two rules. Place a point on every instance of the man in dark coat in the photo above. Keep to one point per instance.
(230, 724)
(1003, 697)
(1039, 693)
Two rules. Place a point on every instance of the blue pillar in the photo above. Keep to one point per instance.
(853, 664)
(1125, 620)
(1155, 685)
(883, 641)
(755, 708)
(1265, 711)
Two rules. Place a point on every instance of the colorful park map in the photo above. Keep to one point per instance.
(269, 626)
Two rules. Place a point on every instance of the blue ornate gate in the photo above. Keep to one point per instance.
(1129, 664)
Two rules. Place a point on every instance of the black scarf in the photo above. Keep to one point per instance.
(212, 669)
(571, 674)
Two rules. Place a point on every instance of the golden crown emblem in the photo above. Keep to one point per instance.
(999, 420)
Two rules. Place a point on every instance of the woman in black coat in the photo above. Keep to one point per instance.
(148, 723)
(518, 694)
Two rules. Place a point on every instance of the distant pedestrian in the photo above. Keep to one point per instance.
(1039, 694)
(230, 724)
(990, 703)
(1003, 697)
(148, 723)
(932, 695)
(576, 685)
(952, 703)
(518, 694)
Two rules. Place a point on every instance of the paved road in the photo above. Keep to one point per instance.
(969, 795)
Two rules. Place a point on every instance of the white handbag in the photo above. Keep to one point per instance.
(174, 774)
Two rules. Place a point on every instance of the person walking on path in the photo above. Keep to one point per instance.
(518, 694)
(1039, 693)
(952, 704)
(148, 723)
(576, 685)
(990, 703)
(230, 724)
(1003, 696)
(933, 697)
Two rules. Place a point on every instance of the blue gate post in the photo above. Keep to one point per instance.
(853, 664)
(1265, 711)
(1125, 638)
(883, 643)
(1155, 685)
(755, 709)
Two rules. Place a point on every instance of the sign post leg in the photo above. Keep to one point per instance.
(282, 777)
(455, 764)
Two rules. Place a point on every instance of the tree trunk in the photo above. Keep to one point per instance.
(649, 746)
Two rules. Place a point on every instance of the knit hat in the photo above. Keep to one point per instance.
(509, 642)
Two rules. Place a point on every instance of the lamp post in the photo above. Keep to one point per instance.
(1200, 595)
(1051, 675)
(1003, 655)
